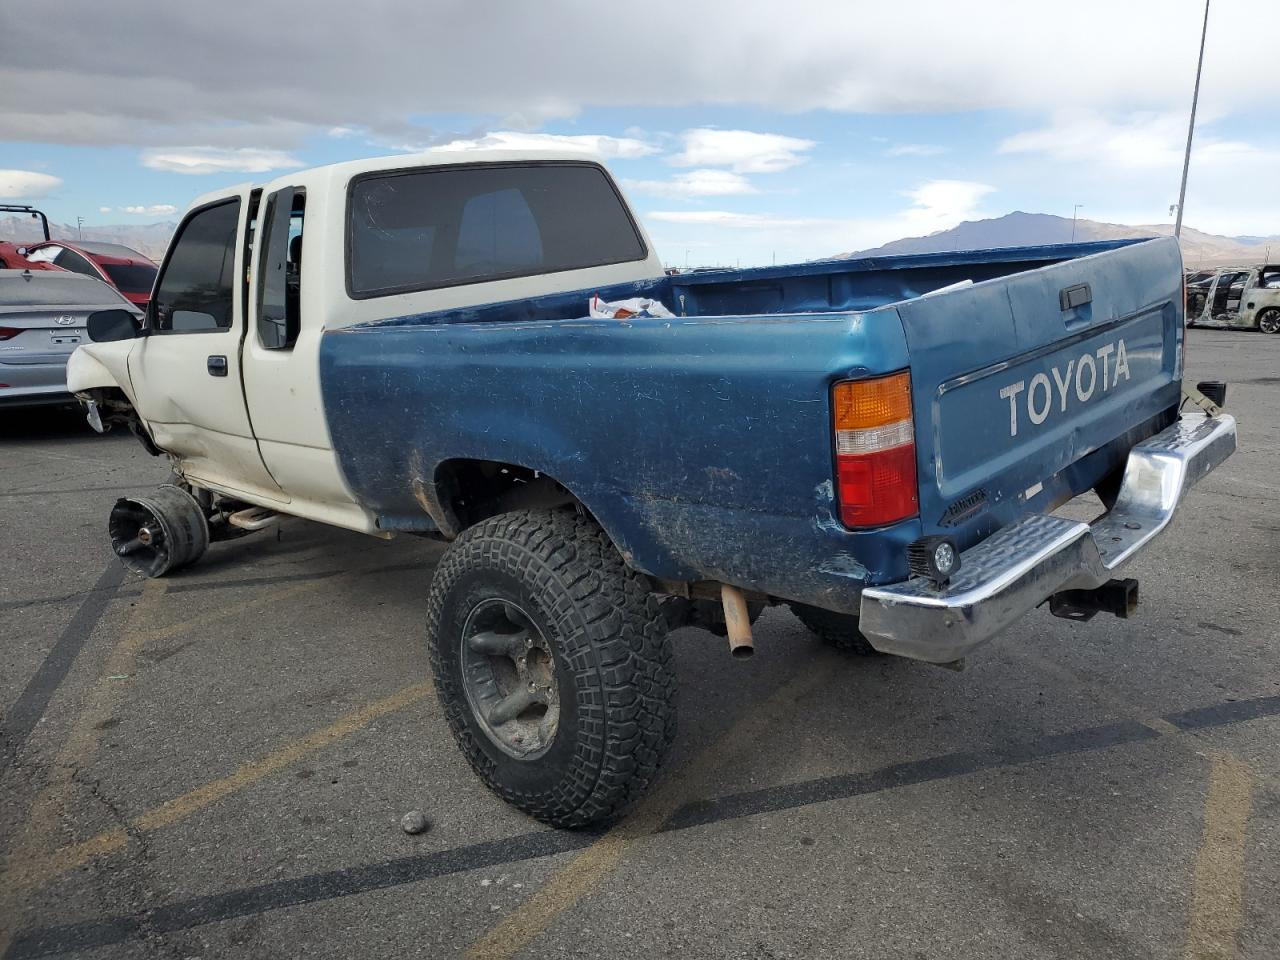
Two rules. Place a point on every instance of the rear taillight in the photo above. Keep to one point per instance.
(875, 450)
(8, 333)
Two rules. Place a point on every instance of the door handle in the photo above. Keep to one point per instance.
(217, 366)
(1071, 297)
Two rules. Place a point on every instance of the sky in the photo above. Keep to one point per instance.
(742, 132)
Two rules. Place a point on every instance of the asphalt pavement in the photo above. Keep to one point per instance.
(216, 764)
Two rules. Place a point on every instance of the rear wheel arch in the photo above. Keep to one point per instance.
(466, 491)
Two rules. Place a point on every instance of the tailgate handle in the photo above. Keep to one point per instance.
(1077, 296)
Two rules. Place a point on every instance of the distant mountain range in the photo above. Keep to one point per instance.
(147, 238)
(1018, 229)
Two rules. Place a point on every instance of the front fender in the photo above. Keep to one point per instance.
(96, 366)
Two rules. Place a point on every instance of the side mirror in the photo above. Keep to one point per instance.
(104, 326)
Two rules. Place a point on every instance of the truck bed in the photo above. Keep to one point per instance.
(703, 443)
(821, 286)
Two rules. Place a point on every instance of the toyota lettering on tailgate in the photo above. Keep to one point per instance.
(1091, 373)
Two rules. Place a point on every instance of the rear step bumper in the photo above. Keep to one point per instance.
(1016, 569)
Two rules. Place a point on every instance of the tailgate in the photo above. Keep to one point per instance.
(1028, 389)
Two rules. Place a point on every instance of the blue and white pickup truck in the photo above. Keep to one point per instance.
(405, 345)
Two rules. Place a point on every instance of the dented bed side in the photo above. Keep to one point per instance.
(703, 444)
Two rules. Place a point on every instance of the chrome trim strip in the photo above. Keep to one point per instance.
(1019, 567)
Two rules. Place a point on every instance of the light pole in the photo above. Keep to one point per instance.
(1191, 126)
(79, 226)
(1075, 212)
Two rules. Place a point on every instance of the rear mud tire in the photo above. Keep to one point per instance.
(612, 663)
(839, 630)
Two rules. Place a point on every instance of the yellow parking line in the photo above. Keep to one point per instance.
(577, 877)
(1214, 924)
(193, 801)
(31, 864)
(29, 853)
(232, 609)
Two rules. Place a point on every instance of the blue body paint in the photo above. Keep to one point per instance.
(703, 443)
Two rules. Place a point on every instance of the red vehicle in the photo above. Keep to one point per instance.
(119, 266)
(13, 256)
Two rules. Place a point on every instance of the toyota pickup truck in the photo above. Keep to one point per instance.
(408, 346)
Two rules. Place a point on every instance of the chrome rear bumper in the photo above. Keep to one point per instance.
(1018, 568)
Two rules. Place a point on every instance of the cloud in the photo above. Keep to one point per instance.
(742, 151)
(104, 209)
(941, 204)
(618, 148)
(1135, 142)
(155, 210)
(17, 184)
(340, 133)
(987, 54)
(198, 160)
(695, 183)
(916, 150)
(933, 205)
(735, 221)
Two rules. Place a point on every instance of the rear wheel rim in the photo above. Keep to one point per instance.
(509, 677)
(1269, 322)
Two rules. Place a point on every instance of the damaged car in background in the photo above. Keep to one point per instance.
(490, 353)
(1238, 298)
(42, 320)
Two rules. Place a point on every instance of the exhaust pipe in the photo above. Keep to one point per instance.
(737, 621)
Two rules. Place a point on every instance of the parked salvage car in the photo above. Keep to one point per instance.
(1245, 298)
(421, 346)
(42, 320)
(13, 254)
(130, 272)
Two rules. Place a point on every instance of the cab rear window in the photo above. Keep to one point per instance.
(445, 226)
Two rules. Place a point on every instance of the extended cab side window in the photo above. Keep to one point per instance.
(435, 227)
(280, 269)
(196, 289)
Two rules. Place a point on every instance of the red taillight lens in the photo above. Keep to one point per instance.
(7, 333)
(875, 451)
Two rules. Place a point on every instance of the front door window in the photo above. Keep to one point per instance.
(195, 292)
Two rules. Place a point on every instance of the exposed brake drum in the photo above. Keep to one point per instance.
(159, 533)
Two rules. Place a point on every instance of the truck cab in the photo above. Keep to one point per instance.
(226, 380)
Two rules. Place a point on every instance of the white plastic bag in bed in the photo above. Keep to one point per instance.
(625, 309)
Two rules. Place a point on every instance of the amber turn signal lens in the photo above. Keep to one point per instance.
(860, 404)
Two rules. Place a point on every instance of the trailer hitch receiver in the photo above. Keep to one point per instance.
(1117, 597)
